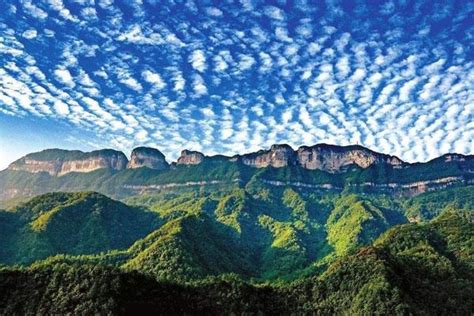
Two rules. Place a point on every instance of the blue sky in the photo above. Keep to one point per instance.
(236, 76)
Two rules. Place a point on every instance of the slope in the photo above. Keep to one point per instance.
(73, 223)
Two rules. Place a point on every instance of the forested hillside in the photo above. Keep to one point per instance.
(411, 269)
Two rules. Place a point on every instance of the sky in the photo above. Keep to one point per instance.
(236, 76)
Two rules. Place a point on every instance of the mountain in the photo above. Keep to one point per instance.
(147, 157)
(264, 233)
(58, 162)
(411, 269)
(70, 223)
(321, 167)
(323, 229)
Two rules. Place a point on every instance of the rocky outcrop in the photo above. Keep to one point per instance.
(332, 158)
(147, 157)
(189, 157)
(59, 162)
(278, 156)
(324, 157)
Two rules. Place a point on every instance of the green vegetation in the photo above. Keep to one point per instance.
(420, 269)
(258, 249)
(356, 221)
(61, 154)
(71, 223)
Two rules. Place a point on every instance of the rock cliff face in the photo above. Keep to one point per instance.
(190, 158)
(59, 162)
(324, 157)
(147, 157)
(336, 158)
(278, 156)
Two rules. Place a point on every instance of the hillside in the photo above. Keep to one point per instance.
(261, 233)
(411, 269)
(70, 223)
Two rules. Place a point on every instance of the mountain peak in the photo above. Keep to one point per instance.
(333, 158)
(58, 162)
(189, 157)
(147, 157)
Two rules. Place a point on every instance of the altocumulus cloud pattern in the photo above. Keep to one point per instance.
(234, 76)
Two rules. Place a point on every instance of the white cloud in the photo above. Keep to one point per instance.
(274, 13)
(213, 11)
(198, 60)
(135, 35)
(132, 83)
(406, 89)
(246, 62)
(220, 63)
(199, 86)
(61, 108)
(64, 76)
(30, 34)
(277, 75)
(154, 79)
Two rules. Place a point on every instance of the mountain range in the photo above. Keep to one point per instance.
(323, 229)
(320, 167)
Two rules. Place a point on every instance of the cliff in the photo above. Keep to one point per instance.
(58, 162)
(333, 158)
(189, 157)
(324, 157)
(278, 156)
(147, 157)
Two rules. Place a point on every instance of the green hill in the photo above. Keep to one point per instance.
(419, 269)
(264, 233)
(71, 223)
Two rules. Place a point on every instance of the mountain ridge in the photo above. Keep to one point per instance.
(321, 156)
(319, 167)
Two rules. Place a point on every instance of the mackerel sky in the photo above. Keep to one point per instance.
(236, 76)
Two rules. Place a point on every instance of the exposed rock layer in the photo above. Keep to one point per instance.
(189, 157)
(278, 156)
(58, 162)
(323, 157)
(147, 157)
(336, 158)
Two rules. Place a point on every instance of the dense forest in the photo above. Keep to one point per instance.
(239, 250)
(410, 269)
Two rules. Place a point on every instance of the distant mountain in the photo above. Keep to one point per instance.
(330, 158)
(321, 167)
(58, 162)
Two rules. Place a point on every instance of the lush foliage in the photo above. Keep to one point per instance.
(412, 269)
(71, 223)
(236, 250)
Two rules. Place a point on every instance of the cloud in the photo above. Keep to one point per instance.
(198, 60)
(30, 34)
(61, 108)
(243, 75)
(199, 86)
(213, 11)
(154, 79)
(64, 76)
(246, 62)
(274, 13)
